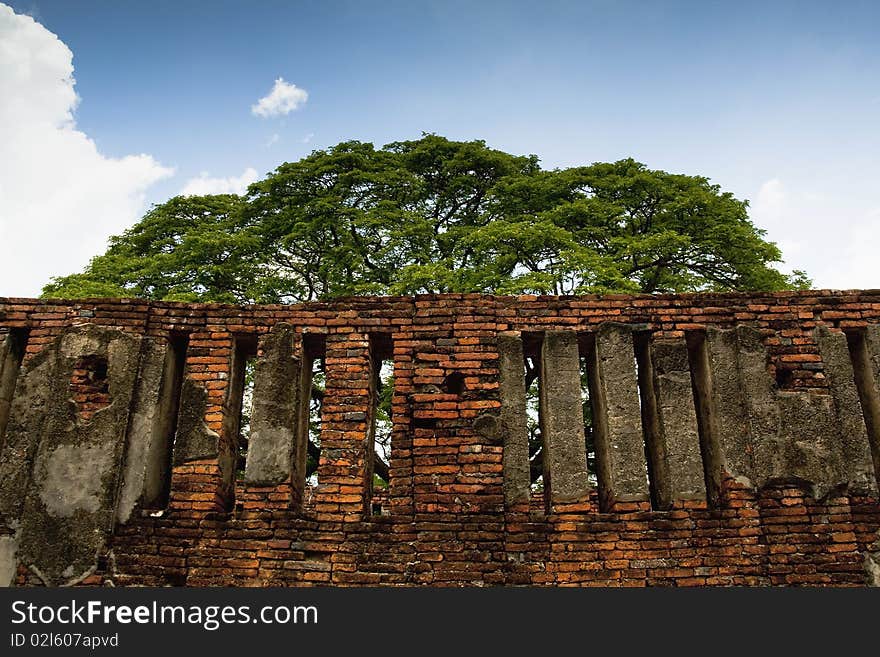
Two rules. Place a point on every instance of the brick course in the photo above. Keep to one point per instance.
(446, 521)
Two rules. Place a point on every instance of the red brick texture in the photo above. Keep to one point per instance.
(444, 520)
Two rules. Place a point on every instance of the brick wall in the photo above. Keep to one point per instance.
(445, 519)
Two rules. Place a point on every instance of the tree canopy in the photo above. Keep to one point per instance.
(434, 215)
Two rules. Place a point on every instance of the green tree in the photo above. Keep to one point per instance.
(434, 215)
(194, 248)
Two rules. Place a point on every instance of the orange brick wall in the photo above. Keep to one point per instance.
(446, 522)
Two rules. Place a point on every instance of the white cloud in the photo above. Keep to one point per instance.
(282, 99)
(273, 140)
(60, 199)
(858, 266)
(204, 184)
(308, 138)
(833, 235)
(771, 210)
(771, 198)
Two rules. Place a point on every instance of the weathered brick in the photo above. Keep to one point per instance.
(443, 520)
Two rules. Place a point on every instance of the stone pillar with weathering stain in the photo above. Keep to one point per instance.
(774, 420)
(514, 421)
(614, 394)
(10, 358)
(791, 433)
(70, 491)
(36, 387)
(805, 449)
(770, 436)
(872, 340)
(147, 462)
(851, 450)
(5, 349)
(729, 402)
(562, 421)
(745, 403)
(299, 457)
(678, 419)
(274, 416)
(869, 375)
(762, 408)
(194, 440)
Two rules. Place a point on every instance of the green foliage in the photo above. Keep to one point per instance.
(383, 423)
(192, 248)
(316, 403)
(434, 215)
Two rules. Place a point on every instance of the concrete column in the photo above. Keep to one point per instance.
(841, 381)
(147, 463)
(853, 450)
(620, 448)
(517, 478)
(769, 435)
(11, 352)
(562, 423)
(7, 381)
(869, 379)
(39, 389)
(729, 403)
(273, 419)
(72, 489)
(678, 419)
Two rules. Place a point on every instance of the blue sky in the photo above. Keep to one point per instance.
(778, 102)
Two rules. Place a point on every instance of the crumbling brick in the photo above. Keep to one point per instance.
(789, 410)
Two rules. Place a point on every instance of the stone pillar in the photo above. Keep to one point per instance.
(274, 416)
(151, 431)
(864, 348)
(678, 419)
(769, 436)
(562, 422)
(728, 396)
(517, 477)
(10, 359)
(853, 449)
(38, 389)
(62, 467)
(614, 394)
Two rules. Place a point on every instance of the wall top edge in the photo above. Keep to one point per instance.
(695, 297)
